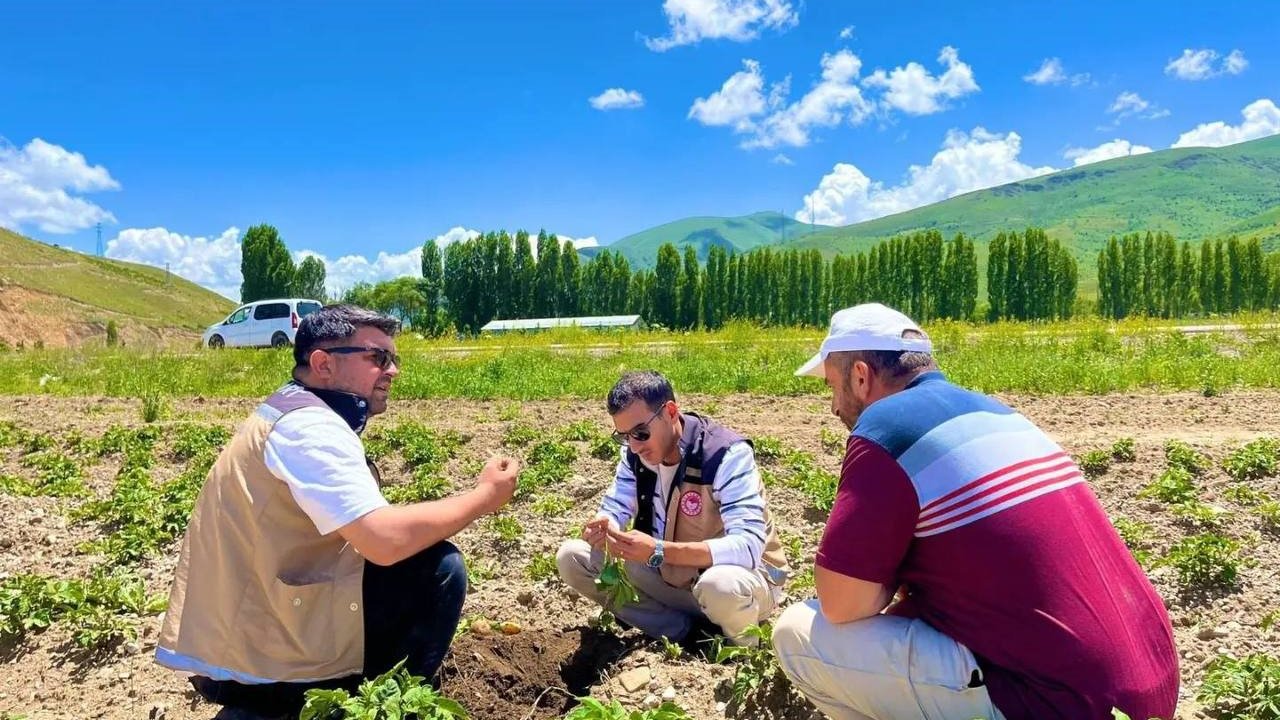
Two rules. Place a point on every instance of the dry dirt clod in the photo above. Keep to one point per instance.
(633, 680)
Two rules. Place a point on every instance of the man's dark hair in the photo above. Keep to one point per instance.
(891, 363)
(648, 386)
(335, 323)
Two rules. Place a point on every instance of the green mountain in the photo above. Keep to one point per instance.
(61, 297)
(738, 234)
(1193, 193)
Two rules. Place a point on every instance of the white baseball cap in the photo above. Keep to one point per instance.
(870, 326)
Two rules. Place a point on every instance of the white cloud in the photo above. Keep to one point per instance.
(213, 262)
(1051, 72)
(846, 33)
(739, 99)
(346, 271)
(1261, 119)
(836, 97)
(692, 21)
(38, 186)
(1129, 104)
(966, 162)
(781, 159)
(579, 243)
(617, 99)
(1203, 64)
(914, 91)
(1105, 151)
(455, 234)
(1235, 63)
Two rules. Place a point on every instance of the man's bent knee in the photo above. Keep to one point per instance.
(724, 581)
(793, 629)
(451, 571)
(573, 560)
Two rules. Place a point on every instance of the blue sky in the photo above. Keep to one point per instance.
(362, 130)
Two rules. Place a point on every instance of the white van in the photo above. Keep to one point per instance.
(259, 324)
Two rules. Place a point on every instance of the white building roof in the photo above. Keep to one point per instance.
(600, 321)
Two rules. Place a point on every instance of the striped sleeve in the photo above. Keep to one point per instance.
(620, 502)
(736, 489)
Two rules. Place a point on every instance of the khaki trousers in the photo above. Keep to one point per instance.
(730, 596)
(879, 668)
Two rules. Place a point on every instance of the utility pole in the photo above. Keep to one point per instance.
(100, 250)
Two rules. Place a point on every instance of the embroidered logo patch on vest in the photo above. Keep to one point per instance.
(691, 504)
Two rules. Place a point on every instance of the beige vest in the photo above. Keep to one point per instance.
(708, 524)
(692, 515)
(259, 595)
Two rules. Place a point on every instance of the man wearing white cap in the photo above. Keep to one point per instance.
(1015, 597)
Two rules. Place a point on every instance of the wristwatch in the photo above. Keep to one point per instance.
(655, 560)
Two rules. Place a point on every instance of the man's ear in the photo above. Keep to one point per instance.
(321, 364)
(862, 378)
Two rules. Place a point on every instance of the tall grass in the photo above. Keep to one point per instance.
(1078, 357)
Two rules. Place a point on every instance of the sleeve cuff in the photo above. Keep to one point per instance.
(828, 563)
(729, 550)
(332, 524)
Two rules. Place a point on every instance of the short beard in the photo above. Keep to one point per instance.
(857, 408)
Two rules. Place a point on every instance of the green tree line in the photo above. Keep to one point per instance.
(1030, 276)
(1155, 276)
(500, 276)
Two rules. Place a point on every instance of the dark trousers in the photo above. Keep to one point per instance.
(411, 610)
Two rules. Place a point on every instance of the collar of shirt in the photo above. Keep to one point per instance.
(352, 408)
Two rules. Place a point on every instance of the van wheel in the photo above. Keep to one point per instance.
(280, 340)
(216, 342)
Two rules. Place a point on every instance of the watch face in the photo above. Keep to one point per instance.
(655, 560)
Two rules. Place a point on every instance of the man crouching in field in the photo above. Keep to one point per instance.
(295, 571)
(1018, 598)
(703, 549)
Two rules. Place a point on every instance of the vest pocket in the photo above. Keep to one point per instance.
(290, 626)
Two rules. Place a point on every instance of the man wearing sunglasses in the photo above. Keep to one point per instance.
(703, 555)
(295, 571)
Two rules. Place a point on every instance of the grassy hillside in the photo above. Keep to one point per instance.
(738, 234)
(62, 294)
(1194, 193)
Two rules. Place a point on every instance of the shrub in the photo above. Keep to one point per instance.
(1255, 460)
(1206, 560)
(1094, 463)
(1243, 688)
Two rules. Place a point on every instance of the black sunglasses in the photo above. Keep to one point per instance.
(381, 357)
(640, 432)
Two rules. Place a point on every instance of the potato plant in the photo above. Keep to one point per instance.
(542, 566)
(1094, 463)
(591, 709)
(1254, 461)
(1205, 561)
(1246, 687)
(616, 585)
(756, 664)
(393, 695)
